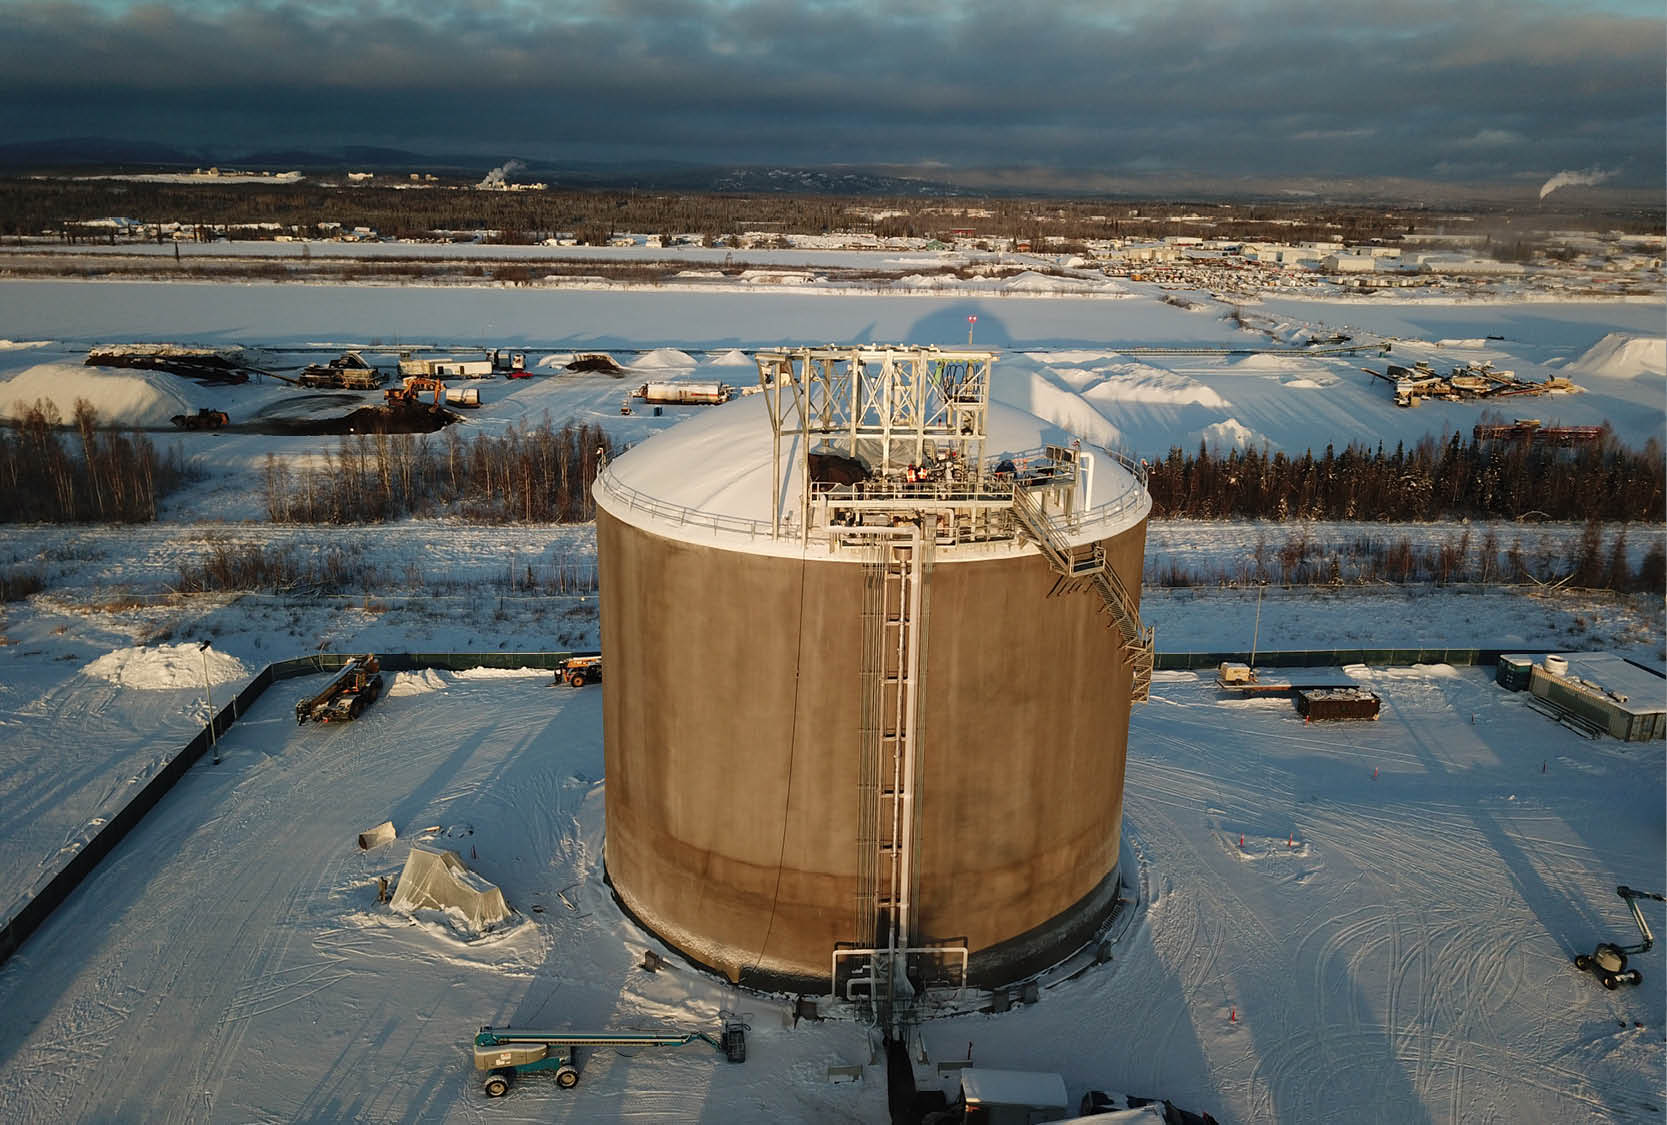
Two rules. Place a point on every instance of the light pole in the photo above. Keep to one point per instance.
(971, 320)
(208, 694)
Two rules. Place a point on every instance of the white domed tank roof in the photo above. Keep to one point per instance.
(709, 480)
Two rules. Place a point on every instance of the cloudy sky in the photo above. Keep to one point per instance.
(1471, 90)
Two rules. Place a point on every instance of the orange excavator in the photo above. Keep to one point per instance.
(418, 388)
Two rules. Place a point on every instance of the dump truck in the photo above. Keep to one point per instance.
(504, 1053)
(577, 671)
(203, 419)
(345, 697)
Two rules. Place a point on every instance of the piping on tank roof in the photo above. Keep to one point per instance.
(892, 408)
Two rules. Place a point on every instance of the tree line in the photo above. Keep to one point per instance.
(1433, 480)
(53, 475)
(29, 206)
(1591, 561)
(535, 475)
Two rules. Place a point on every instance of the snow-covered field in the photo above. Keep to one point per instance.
(1391, 942)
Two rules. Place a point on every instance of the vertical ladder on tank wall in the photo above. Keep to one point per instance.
(894, 589)
(1083, 567)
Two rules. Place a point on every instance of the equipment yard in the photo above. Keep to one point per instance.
(1395, 903)
(1328, 921)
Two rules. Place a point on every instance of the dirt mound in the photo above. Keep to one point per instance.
(596, 361)
(402, 418)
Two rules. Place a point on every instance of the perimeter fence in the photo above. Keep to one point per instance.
(36, 905)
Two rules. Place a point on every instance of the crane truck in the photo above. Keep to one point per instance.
(345, 697)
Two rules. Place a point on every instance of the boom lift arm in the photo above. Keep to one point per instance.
(505, 1052)
(1647, 939)
(1608, 962)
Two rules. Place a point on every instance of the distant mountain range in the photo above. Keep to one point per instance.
(83, 155)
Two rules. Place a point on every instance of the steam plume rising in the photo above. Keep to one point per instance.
(1589, 178)
(496, 175)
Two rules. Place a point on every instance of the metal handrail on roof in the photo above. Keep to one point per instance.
(996, 489)
(680, 514)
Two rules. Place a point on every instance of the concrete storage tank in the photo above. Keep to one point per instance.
(871, 644)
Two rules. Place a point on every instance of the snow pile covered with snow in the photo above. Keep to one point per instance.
(1138, 382)
(1027, 283)
(130, 398)
(1226, 435)
(500, 673)
(166, 667)
(664, 358)
(734, 357)
(1268, 361)
(14, 345)
(1621, 355)
(1072, 413)
(416, 683)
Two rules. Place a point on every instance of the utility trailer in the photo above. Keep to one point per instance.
(504, 1053)
(345, 697)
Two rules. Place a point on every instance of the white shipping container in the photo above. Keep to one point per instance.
(701, 393)
(463, 368)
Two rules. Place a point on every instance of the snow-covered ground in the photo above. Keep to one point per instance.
(1391, 941)
(1060, 356)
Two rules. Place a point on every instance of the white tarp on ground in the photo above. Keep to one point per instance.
(436, 879)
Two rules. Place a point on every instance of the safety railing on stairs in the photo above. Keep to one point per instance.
(1139, 641)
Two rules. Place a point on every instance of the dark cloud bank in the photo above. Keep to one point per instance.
(1403, 89)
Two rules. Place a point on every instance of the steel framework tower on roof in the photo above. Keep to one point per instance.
(888, 407)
